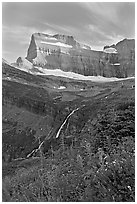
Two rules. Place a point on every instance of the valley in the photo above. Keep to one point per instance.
(68, 102)
(58, 118)
(51, 121)
(33, 105)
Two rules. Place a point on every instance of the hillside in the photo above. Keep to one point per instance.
(67, 140)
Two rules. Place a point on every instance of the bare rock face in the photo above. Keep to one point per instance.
(126, 55)
(65, 53)
(24, 62)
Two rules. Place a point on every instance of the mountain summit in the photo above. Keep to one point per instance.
(44, 45)
(65, 53)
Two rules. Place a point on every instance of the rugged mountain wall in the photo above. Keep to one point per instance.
(126, 55)
(65, 53)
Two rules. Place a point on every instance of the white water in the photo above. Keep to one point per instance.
(58, 133)
(35, 150)
(31, 153)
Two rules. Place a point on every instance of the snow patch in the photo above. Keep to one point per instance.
(7, 78)
(24, 69)
(50, 38)
(116, 64)
(23, 63)
(62, 87)
(110, 50)
(65, 52)
(57, 44)
(71, 75)
(84, 47)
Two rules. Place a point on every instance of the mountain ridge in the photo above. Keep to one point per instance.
(65, 53)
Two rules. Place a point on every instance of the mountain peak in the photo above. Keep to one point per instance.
(127, 41)
(63, 52)
(43, 45)
(67, 39)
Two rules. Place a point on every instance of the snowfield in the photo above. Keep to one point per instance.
(62, 87)
(57, 44)
(70, 75)
(50, 38)
(116, 64)
(110, 50)
(84, 47)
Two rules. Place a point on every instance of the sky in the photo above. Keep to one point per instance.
(94, 23)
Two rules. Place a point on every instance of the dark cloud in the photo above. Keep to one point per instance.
(96, 24)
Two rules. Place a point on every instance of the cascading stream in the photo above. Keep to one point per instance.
(58, 133)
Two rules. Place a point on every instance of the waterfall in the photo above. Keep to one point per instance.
(58, 133)
(36, 150)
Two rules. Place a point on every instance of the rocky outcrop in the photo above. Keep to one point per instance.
(65, 53)
(126, 55)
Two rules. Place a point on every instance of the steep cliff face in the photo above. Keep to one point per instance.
(65, 53)
(126, 55)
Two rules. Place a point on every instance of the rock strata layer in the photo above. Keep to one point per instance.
(65, 53)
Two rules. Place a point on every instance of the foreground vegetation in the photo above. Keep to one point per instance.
(98, 166)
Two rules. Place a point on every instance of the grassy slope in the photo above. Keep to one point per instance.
(99, 164)
(32, 107)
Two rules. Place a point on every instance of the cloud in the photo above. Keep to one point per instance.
(103, 10)
(112, 17)
(15, 41)
(57, 28)
(101, 35)
(93, 23)
(110, 22)
(20, 34)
